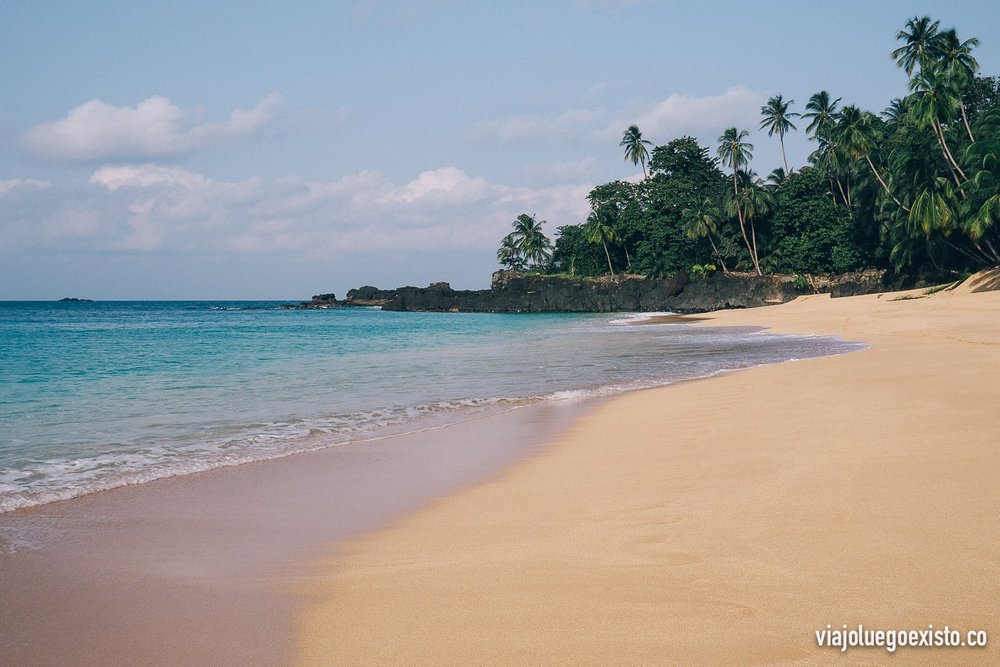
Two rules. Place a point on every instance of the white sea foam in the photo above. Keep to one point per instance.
(635, 318)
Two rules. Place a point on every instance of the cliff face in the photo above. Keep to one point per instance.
(515, 293)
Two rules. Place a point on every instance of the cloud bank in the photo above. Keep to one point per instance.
(688, 114)
(151, 207)
(154, 128)
(675, 116)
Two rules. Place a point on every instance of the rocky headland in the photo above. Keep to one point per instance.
(512, 292)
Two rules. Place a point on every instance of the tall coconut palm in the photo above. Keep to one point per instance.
(635, 147)
(754, 200)
(918, 47)
(821, 113)
(858, 133)
(958, 63)
(531, 242)
(830, 159)
(736, 154)
(598, 230)
(933, 100)
(702, 222)
(777, 118)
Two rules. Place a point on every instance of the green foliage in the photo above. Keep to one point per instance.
(811, 233)
(635, 146)
(700, 271)
(916, 188)
(575, 255)
(526, 246)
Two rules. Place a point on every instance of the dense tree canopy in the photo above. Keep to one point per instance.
(914, 189)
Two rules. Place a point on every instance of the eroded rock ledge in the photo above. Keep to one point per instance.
(512, 292)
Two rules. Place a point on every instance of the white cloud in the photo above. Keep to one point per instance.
(660, 121)
(527, 126)
(688, 114)
(151, 206)
(445, 184)
(146, 175)
(17, 183)
(153, 128)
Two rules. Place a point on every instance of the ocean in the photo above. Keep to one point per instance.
(99, 395)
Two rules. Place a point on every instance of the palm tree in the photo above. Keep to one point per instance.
(752, 199)
(509, 254)
(736, 153)
(635, 147)
(776, 178)
(702, 222)
(776, 118)
(532, 244)
(933, 100)
(896, 110)
(599, 231)
(982, 223)
(829, 158)
(918, 44)
(821, 112)
(858, 133)
(958, 63)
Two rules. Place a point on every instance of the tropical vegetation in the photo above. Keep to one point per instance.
(913, 189)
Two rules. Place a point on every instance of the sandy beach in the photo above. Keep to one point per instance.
(722, 521)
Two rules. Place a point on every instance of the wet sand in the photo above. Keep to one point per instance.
(721, 521)
(201, 569)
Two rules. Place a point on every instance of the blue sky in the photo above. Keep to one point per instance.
(256, 150)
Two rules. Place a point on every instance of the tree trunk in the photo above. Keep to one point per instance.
(843, 197)
(948, 156)
(965, 120)
(884, 186)
(608, 255)
(743, 229)
(718, 256)
(781, 138)
(996, 256)
(753, 235)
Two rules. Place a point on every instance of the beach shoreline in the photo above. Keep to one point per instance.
(438, 553)
(714, 521)
(195, 569)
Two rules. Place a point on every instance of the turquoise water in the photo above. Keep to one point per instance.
(98, 395)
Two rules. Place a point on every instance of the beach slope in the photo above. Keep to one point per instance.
(720, 521)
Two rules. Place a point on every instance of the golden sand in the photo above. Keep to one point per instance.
(721, 521)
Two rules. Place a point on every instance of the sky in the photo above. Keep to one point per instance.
(253, 150)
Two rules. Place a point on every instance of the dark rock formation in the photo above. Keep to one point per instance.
(513, 292)
(871, 281)
(369, 296)
(516, 293)
(319, 301)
